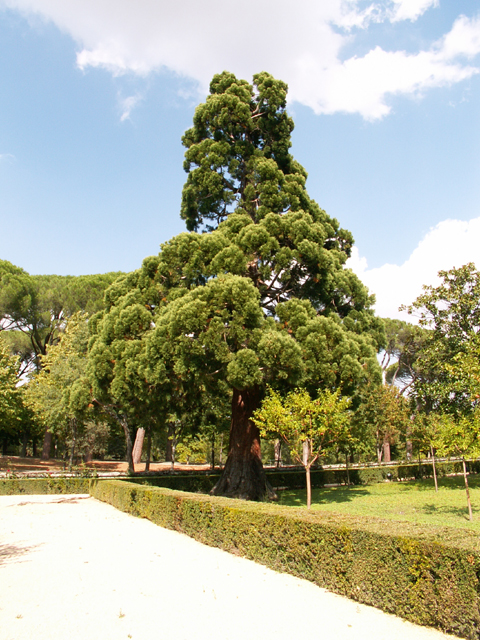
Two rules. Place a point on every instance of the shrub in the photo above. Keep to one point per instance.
(427, 578)
(45, 486)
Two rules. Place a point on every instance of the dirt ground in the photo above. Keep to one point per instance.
(16, 464)
(72, 568)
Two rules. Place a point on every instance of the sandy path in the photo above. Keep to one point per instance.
(72, 567)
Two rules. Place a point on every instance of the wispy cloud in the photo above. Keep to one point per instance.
(7, 157)
(197, 39)
(451, 243)
(127, 105)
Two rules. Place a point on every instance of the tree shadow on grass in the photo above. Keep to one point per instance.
(337, 495)
(454, 482)
(457, 512)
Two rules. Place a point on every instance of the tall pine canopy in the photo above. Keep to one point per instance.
(256, 292)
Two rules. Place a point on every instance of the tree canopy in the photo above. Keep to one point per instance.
(33, 309)
(450, 313)
(257, 292)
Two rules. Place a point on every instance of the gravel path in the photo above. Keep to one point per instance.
(72, 567)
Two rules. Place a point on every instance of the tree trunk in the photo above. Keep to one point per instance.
(174, 447)
(243, 476)
(278, 453)
(23, 453)
(169, 445)
(149, 448)
(386, 451)
(434, 470)
(305, 453)
(309, 486)
(213, 451)
(470, 514)
(348, 471)
(74, 442)
(379, 449)
(138, 446)
(409, 450)
(47, 443)
(128, 442)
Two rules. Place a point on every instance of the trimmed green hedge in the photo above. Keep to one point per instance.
(39, 486)
(428, 576)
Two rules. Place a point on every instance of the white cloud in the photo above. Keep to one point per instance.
(127, 105)
(7, 157)
(411, 9)
(303, 46)
(462, 40)
(452, 243)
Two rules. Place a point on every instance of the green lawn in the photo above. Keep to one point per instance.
(409, 501)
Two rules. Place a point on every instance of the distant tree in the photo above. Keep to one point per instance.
(450, 313)
(11, 405)
(36, 307)
(308, 427)
(117, 360)
(385, 415)
(58, 393)
(400, 361)
(34, 311)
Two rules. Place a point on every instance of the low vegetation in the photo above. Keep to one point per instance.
(416, 502)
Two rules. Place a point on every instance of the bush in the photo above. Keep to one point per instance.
(43, 486)
(427, 578)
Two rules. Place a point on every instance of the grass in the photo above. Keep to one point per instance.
(401, 501)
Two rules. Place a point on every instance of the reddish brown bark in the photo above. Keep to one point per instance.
(47, 444)
(243, 476)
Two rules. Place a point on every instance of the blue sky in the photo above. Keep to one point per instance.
(95, 96)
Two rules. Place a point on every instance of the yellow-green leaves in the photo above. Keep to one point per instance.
(300, 420)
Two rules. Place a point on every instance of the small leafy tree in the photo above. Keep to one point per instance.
(308, 427)
(461, 437)
(425, 435)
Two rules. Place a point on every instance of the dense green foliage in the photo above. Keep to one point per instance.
(451, 314)
(33, 309)
(263, 297)
(59, 393)
(382, 419)
(308, 427)
(34, 312)
(44, 486)
(10, 395)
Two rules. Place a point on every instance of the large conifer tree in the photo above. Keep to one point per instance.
(257, 291)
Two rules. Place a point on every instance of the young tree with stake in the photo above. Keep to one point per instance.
(308, 427)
